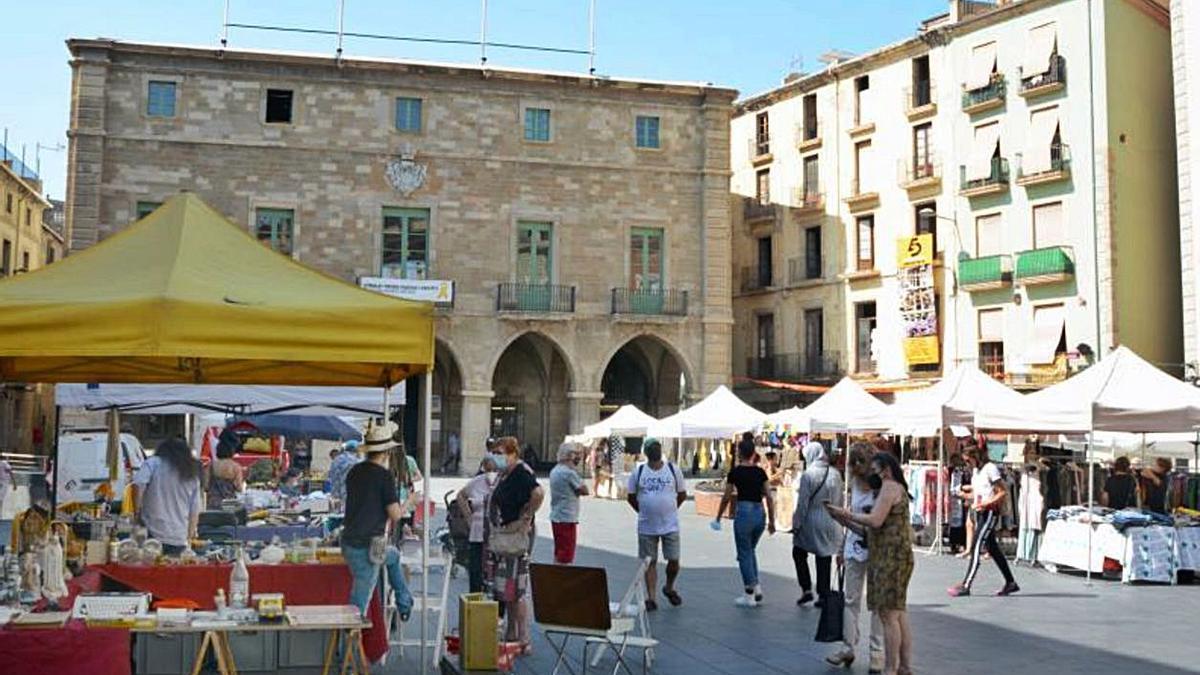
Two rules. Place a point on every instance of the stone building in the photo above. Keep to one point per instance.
(1032, 139)
(583, 221)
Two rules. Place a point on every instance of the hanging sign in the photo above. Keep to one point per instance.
(918, 299)
(439, 291)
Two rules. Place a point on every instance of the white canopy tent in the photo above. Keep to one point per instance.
(1121, 393)
(787, 417)
(951, 402)
(845, 407)
(628, 420)
(241, 399)
(720, 415)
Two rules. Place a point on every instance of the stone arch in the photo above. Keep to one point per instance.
(536, 334)
(661, 367)
(532, 376)
(448, 384)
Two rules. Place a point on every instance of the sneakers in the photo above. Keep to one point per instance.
(1009, 588)
(842, 658)
(958, 591)
(804, 599)
(758, 594)
(746, 600)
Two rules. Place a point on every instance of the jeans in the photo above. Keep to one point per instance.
(854, 587)
(749, 521)
(366, 574)
(800, 558)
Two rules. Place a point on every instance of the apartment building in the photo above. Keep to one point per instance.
(1185, 46)
(1030, 140)
(581, 222)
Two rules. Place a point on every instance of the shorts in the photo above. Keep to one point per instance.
(564, 542)
(648, 546)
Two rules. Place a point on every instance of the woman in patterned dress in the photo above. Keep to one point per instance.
(890, 565)
(512, 505)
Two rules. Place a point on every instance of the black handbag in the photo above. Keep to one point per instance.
(829, 628)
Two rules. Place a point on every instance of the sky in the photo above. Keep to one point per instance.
(748, 45)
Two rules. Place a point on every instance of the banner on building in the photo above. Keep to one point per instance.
(918, 299)
(421, 290)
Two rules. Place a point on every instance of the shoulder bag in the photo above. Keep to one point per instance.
(830, 628)
(796, 527)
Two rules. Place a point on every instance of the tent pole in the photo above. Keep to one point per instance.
(427, 397)
(54, 461)
(1091, 496)
(941, 494)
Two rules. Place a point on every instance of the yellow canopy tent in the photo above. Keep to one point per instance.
(185, 295)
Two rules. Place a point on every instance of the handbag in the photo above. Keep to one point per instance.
(830, 628)
(510, 539)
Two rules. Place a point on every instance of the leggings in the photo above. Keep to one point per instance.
(800, 557)
(985, 534)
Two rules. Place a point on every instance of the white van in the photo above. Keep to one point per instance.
(81, 465)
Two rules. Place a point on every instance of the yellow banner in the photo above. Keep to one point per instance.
(915, 250)
(921, 350)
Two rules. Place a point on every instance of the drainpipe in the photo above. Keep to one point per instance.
(1100, 348)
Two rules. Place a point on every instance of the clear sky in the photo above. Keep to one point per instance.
(745, 44)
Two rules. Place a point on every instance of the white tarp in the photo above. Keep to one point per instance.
(1048, 324)
(785, 417)
(1123, 392)
(982, 65)
(951, 402)
(1041, 47)
(202, 398)
(987, 137)
(1043, 125)
(626, 421)
(846, 407)
(720, 415)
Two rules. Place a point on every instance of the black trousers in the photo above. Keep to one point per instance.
(823, 563)
(985, 538)
(475, 567)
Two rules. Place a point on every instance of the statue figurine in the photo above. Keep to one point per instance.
(54, 570)
(31, 576)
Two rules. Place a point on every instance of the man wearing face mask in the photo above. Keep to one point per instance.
(566, 487)
(987, 494)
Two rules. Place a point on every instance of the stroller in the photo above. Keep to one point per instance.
(455, 537)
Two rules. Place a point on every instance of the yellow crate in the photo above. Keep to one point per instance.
(478, 619)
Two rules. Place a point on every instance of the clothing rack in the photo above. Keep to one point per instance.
(935, 547)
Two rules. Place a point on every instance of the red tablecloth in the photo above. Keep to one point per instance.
(74, 648)
(300, 584)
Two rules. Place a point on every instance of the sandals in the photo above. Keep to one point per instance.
(672, 596)
(651, 606)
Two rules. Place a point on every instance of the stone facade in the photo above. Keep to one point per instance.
(588, 183)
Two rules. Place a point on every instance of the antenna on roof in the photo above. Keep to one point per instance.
(225, 26)
(592, 37)
(795, 69)
(341, 28)
(483, 34)
(835, 56)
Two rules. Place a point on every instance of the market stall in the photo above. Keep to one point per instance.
(1122, 393)
(186, 296)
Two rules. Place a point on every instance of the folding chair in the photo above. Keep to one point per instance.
(632, 606)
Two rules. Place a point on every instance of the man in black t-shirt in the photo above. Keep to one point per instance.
(371, 503)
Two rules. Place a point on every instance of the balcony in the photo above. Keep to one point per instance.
(920, 101)
(860, 199)
(757, 278)
(808, 135)
(1046, 82)
(1060, 168)
(803, 269)
(759, 150)
(820, 366)
(920, 178)
(995, 183)
(657, 302)
(754, 211)
(984, 274)
(1045, 265)
(807, 201)
(535, 298)
(975, 101)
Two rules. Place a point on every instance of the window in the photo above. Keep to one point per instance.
(1049, 334)
(982, 66)
(762, 134)
(160, 99)
(922, 87)
(762, 188)
(812, 252)
(922, 152)
(765, 253)
(275, 228)
(991, 342)
(985, 153)
(812, 182)
(988, 236)
(6, 263)
(926, 221)
(814, 341)
(866, 243)
(1043, 45)
(766, 337)
(405, 245)
(408, 114)
(28, 216)
(1044, 145)
(862, 160)
(537, 125)
(8, 203)
(861, 114)
(535, 252)
(49, 253)
(1049, 228)
(864, 329)
(646, 259)
(646, 131)
(811, 130)
(146, 208)
(25, 261)
(279, 106)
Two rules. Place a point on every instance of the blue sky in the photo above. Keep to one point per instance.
(748, 44)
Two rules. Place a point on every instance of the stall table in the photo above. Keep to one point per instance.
(1151, 553)
(74, 648)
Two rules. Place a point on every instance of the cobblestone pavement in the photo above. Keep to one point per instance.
(1057, 624)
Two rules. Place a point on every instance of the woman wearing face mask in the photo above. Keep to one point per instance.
(510, 535)
(813, 531)
(473, 498)
(890, 565)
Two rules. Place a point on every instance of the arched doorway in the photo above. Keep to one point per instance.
(447, 403)
(530, 386)
(647, 373)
